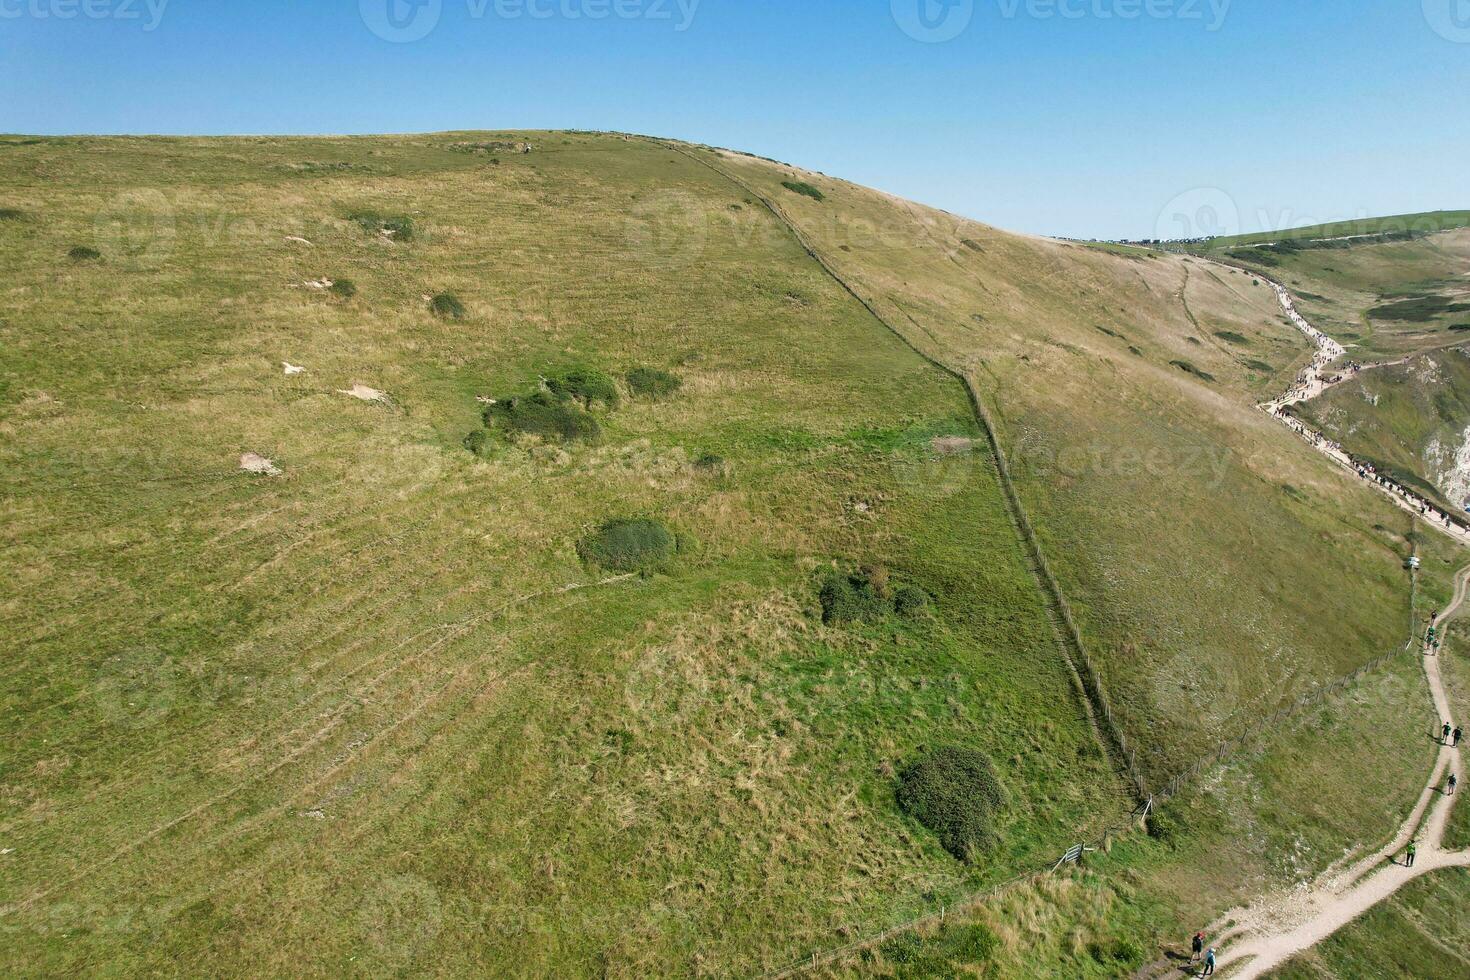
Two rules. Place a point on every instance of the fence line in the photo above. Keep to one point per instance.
(1095, 697)
(1086, 677)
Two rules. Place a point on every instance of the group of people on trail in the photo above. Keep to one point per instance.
(1198, 953)
(1451, 737)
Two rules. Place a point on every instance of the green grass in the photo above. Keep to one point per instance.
(1427, 222)
(384, 697)
(360, 694)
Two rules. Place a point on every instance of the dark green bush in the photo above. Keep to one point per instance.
(399, 227)
(652, 383)
(84, 253)
(1233, 337)
(851, 599)
(802, 187)
(11, 214)
(477, 441)
(545, 415)
(710, 461)
(1189, 368)
(344, 288)
(447, 305)
(628, 546)
(953, 792)
(910, 600)
(586, 385)
(1163, 826)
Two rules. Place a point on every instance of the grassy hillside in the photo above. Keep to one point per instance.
(1385, 294)
(1425, 223)
(453, 691)
(1411, 417)
(348, 719)
(1214, 565)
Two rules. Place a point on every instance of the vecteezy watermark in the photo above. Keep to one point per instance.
(150, 12)
(936, 21)
(1450, 19)
(1204, 212)
(933, 21)
(403, 21)
(667, 229)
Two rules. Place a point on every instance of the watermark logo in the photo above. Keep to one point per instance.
(936, 21)
(1204, 212)
(667, 230)
(933, 21)
(148, 12)
(401, 21)
(136, 689)
(404, 21)
(941, 468)
(137, 227)
(1450, 19)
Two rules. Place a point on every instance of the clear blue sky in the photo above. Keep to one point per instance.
(1051, 116)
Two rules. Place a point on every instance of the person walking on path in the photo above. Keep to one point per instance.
(1409, 853)
(1196, 947)
(1454, 781)
(1209, 963)
(1446, 737)
(1456, 735)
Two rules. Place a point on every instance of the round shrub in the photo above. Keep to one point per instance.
(628, 546)
(344, 288)
(545, 415)
(477, 441)
(953, 792)
(651, 383)
(910, 600)
(447, 305)
(850, 599)
(586, 385)
(84, 253)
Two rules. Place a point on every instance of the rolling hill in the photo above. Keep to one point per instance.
(587, 554)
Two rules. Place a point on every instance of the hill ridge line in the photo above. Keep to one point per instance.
(1093, 697)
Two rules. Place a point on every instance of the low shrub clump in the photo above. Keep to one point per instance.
(651, 383)
(628, 545)
(543, 414)
(1189, 368)
(84, 253)
(11, 214)
(851, 599)
(585, 385)
(398, 227)
(954, 792)
(345, 288)
(448, 306)
(802, 187)
(866, 595)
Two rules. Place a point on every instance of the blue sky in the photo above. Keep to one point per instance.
(1104, 118)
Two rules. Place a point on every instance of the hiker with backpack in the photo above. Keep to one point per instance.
(1196, 947)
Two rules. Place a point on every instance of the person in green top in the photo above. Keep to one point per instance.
(1413, 849)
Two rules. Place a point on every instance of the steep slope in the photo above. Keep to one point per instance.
(1215, 569)
(1412, 417)
(386, 711)
(1384, 289)
(377, 713)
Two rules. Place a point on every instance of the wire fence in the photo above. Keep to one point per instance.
(1074, 651)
